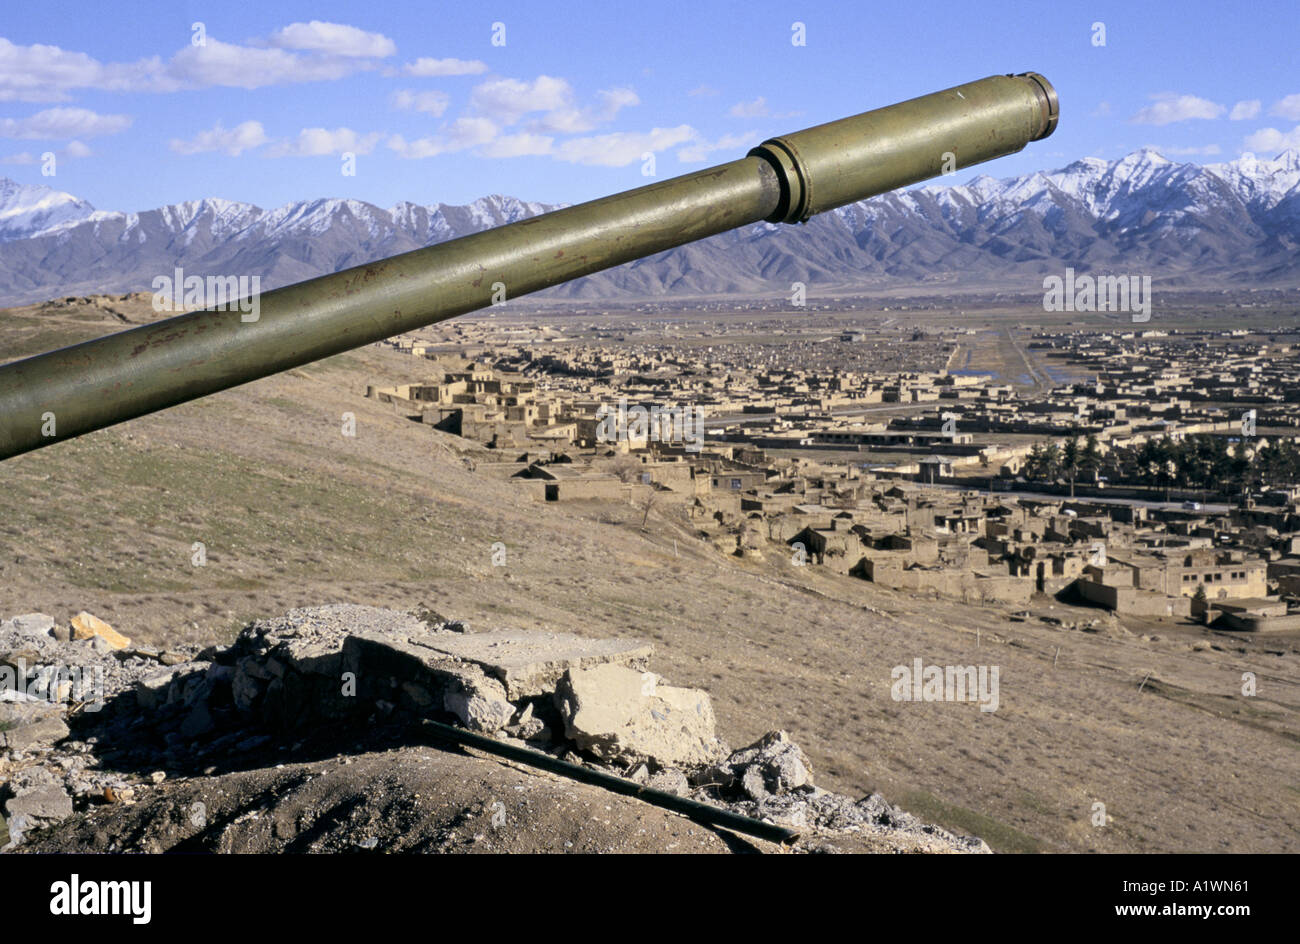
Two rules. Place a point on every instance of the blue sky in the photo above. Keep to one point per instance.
(139, 116)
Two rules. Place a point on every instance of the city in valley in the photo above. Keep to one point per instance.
(981, 453)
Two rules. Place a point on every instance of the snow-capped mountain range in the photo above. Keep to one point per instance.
(1227, 224)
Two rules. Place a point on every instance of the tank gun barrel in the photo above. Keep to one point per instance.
(88, 386)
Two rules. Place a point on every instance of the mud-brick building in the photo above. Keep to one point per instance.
(1225, 575)
(1253, 616)
(1116, 586)
(561, 483)
(969, 584)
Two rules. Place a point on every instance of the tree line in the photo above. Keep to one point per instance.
(1201, 461)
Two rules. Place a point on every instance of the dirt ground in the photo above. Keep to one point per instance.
(1148, 720)
(415, 799)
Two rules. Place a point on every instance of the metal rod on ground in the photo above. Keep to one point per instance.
(691, 809)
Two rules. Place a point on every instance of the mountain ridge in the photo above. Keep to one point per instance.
(1188, 225)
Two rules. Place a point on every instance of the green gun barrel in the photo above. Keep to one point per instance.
(95, 384)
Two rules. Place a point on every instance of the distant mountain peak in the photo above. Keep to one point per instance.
(26, 209)
(1145, 155)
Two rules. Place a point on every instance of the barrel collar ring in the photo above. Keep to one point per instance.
(796, 183)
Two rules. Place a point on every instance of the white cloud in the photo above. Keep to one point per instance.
(21, 158)
(507, 100)
(40, 73)
(1245, 110)
(1270, 139)
(571, 120)
(1288, 108)
(430, 103)
(699, 150)
(703, 91)
(63, 123)
(1169, 108)
(461, 134)
(469, 132)
(315, 142)
(76, 149)
(621, 148)
(334, 39)
(518, 145)
(242, 137)
(226, 64)
(755, 109)
(1101, 111)
(758, 108)
(427, 67)
(615, 99)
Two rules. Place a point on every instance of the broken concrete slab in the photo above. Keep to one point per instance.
(88, 626)
(371, 655)
(311, 656)
(17, 663)
(427, 678)
(479, 702)
(328, 663)
(30, 723)
(617, 713)
(531, 663)
(30, 624)
(38, 798)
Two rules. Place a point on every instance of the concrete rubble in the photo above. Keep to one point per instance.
(26, 721)
(88, 626)
(36, 798)
(616, 713)
(771, 766)
(29, 624)
(322, 669)
(531, 663)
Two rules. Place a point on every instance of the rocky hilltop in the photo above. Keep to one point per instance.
(333, 729)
